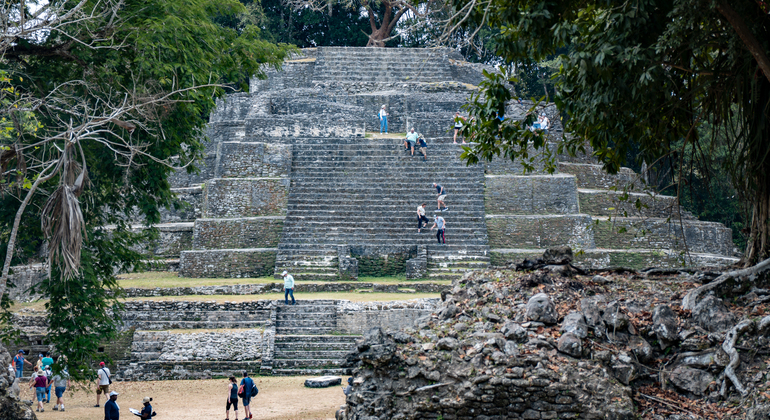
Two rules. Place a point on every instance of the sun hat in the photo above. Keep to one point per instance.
(40, 355)
(284, 273)
(145, 400)
(114, 393)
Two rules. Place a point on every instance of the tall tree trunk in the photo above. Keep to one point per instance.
(394, 9)
(758, 247)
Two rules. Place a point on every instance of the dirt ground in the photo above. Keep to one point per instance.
(280, 398)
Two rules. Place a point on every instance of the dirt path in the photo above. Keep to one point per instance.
(280, 398)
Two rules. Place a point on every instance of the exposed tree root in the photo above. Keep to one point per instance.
(729, 347)
(692, 298)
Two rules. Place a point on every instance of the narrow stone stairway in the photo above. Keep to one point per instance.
(364, 193)
(305, 343)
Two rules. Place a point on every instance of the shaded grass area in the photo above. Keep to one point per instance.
(152, 279)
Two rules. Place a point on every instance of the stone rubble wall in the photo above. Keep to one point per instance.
(235, 263)
(359, 317)
(25, 277)
(540, 231)
(164, 315)
(299, 288)
(245, 232)
(254, 160)
(246, 197)
(545, 194)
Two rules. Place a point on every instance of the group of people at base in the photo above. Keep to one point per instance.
(438, 222)
(43, 379)
(246, 391)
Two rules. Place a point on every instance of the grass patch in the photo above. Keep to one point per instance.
(153, 279)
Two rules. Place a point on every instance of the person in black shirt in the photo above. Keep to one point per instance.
(423, 148)
(146, 413)
(441, 191)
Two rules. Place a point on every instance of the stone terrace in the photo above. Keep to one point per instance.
(291, 181)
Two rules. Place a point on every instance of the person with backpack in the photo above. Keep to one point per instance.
(103, 382)
(248, 390)
(48, 374)
(232, 398)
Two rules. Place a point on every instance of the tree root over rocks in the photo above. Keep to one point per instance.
(744, 277)
(729, 347)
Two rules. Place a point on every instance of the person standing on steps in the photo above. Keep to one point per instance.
(288, 288)
(383, 120)
(421, 217)
(411, 139)
(247, 383)
(438, 222)
(441, 191)
(103, 382)
(459, 120)
(232, 398)
(423, 148)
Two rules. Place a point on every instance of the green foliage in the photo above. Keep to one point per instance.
(639, 79)
(306, 28)
(172, 57)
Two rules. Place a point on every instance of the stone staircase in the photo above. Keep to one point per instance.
(363, 194)
(379, 65)
(304, 344)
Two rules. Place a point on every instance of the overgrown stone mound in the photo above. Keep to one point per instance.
(11, 408)
(550, 343)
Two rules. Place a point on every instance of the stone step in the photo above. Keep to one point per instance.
(147, 346)
(145, 355)
(304, 330)
(298, 338)
(306, 363)
(312, 347)
(190, 325)
(318, 315)
(312, 371)
(310, 355)
(303, 322)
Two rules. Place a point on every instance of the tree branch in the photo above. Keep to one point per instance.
(751, 43)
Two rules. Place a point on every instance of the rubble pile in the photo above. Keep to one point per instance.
(553, 341)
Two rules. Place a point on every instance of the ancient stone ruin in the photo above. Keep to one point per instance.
(292, 181)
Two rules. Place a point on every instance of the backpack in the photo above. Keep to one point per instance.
(254, 390)
(241, 391)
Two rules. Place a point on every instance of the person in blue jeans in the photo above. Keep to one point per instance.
(39, 381)
(383, 120)
(247, 383)
(18, 363)
(288, 288)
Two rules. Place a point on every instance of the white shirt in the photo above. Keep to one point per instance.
(383, 113)
(420, 210)
(104, 374)
(288, 282)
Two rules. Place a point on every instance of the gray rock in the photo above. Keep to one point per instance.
(448, 312)
(664, 325)
(541, 309)
(601, 280)
(759, 412)
(640, 347)
(447, 343)
(570, 343)
(591, 309)
(692, 380)
(558, 255)
(461, 326)
(575, 323)
(323, 381)
(763, 327)
(712, 315)
(514, 331)
(511, 348)
(614, 317)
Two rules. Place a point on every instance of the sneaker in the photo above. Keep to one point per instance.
(42, 410)
(55, 408)
(97, 406)
(38, 409)
(62, 409)
(445, 209)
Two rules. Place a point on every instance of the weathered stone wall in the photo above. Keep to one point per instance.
(700, 237)
(540, 231)
(593, 177)
(246, 232)
(610, 203)
(170, 314)
(25, 277)
(297, 72)
(382, 261)
(254, 262)
(187, 205)
(546, 194)
(310, 125)
(631, 258)
(262, 288)
(246, 197)
(171, 240)
(253, 160)
(359, 317)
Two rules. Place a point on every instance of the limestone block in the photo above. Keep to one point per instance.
(246, 232)
(535, 194)
(254, 262)
(323, 381)
(246, 197)
(538, 232)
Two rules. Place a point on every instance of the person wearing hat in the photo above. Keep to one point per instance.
(39, 381)
(39, 364)
(383, 120)
(102, 382)
(288, 288)
(146, 412)
(111, 407)
(18, 363)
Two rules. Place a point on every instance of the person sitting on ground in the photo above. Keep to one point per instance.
(423, 148)
(544, 123)
(459, 120)
(348, 389)
(411, 138)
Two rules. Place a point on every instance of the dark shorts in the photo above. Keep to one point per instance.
(246, 401)
(59, 390)
(233, 402)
